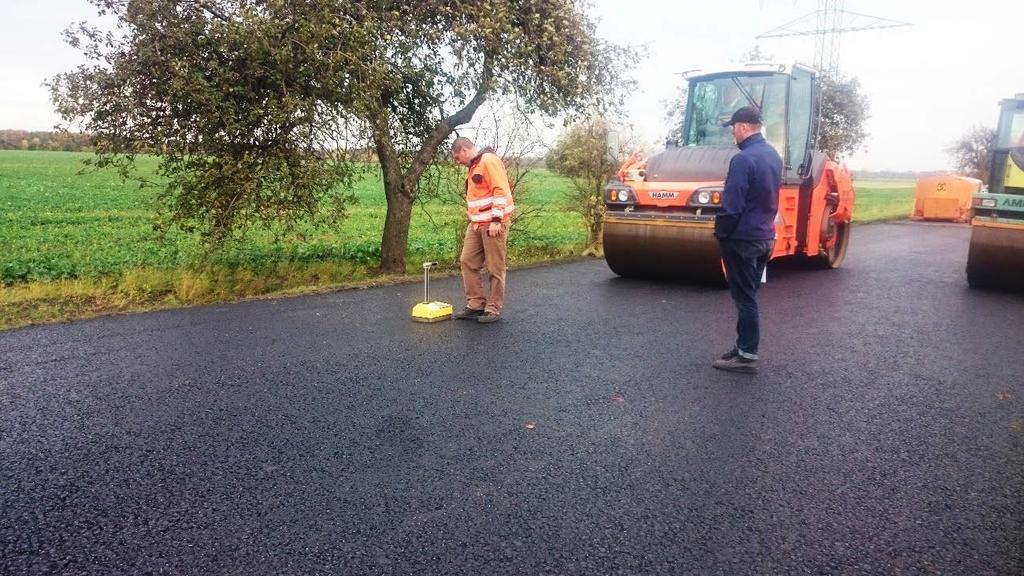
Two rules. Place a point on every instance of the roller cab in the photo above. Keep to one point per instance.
(661, 210)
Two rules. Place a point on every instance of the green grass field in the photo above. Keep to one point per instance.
(883, 200)
(74, 242)
(59, 223)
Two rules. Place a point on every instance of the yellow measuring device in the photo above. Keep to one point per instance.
(428, 311)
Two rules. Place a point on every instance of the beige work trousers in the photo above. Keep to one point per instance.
(478, 250)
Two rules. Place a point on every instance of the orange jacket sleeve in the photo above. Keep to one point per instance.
(500, 190)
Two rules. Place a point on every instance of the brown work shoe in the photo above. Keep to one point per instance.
(468, 313)
(488, 317)
(736, 364)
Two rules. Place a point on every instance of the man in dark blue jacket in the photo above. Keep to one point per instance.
(745, 228)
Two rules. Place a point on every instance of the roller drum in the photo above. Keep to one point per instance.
(683, 252)
(995, 258)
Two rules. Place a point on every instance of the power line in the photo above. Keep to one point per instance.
(827, 24)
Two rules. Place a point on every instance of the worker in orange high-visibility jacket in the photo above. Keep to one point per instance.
(489, 206)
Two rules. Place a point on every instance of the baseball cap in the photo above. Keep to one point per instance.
(747, 114)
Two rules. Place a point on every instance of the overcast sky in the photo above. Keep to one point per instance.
(927, 83)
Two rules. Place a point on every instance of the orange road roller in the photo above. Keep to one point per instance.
(660, 213)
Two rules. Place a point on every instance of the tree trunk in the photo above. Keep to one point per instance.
(593, 215)
(597, 238)
(394, 243)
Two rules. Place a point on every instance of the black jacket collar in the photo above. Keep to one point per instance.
(752, 139)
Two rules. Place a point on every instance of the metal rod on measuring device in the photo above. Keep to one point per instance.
(426, 280)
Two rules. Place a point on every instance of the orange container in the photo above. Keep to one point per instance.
(946, 197)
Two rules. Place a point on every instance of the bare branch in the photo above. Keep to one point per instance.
(212, 10)
(448, 125)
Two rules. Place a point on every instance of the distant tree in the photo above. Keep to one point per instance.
(582, 154)
(9, 138)
(842, 114)
(252, 105)
(46, 140)
(972, 152)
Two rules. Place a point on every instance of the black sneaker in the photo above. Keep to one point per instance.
(736, 364)
(730, 354)
(488, 317)
(468, 313)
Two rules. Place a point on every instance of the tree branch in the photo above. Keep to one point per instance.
(448, 125)
(212, 10)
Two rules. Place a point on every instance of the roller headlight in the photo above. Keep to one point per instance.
(619, 194)
(709, 196)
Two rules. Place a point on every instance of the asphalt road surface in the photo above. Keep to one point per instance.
(586, 433)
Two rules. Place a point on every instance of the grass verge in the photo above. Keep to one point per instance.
(78, 245)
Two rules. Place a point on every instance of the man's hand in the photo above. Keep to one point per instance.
(494, 230)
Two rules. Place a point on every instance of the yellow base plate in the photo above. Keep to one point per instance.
(431, 311)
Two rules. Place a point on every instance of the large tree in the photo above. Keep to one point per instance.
(242, 102)
(252, 103)
(843, 109)
(972, 152)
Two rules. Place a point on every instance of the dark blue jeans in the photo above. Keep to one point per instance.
(744, 263)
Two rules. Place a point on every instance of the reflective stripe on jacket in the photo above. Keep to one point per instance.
(488, 195)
